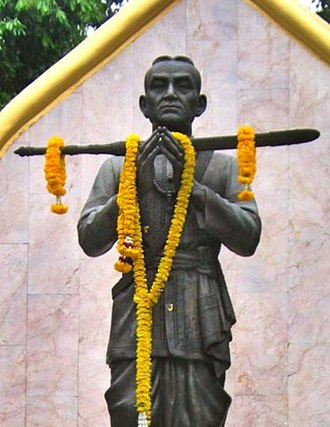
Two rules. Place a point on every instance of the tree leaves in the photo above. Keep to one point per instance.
(34, 34)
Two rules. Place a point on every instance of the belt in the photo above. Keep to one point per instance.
(203, 259)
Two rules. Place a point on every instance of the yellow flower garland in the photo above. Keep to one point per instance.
(127, 203)
(246, 155)
(131, 250)
(55, 173)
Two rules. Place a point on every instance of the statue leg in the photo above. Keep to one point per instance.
(184, 394)
(120, 396)
(187, 393)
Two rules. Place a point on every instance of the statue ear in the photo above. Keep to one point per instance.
(202, 103)
(143, 105)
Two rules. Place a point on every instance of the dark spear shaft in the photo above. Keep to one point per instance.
(273, 139)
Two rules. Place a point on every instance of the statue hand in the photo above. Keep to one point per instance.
(171, 148)
(145, 161)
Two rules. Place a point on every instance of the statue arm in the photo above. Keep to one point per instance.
(97, 226)
(234, 223)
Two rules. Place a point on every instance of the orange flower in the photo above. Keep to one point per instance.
(55, 173)
(246, 155)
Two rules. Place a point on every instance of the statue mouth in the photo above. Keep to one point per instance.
(170, 107)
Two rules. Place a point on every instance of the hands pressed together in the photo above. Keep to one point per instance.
(160, 142)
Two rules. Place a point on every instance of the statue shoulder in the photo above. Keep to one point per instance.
(225, 161)
(112, 165)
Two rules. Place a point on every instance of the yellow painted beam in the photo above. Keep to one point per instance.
(77, 66)
(306, 27)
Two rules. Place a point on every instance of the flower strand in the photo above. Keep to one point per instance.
(55, 173)
(127, 204)
(246, 155)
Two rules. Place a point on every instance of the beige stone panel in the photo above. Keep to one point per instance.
(265, 109)
(12, 385)
(309, 192)
(309, 389)
(52, 347)
(264, 63)
(107, 110)
(309, 265)
(217, 21)
(97, 277)
(53, 253)
(260, 344)
(107, 102)
(231, 416)
(309, 315)
(220, 118)
(217, 61)
(64, 118)
(13, 294)
(266, 270)
(260, 411)
(310, 82)
(51, 411)
(94, 380)
(264, 52)
(14, 195)
(212, 44)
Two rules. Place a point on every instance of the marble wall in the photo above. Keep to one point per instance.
(55, 302)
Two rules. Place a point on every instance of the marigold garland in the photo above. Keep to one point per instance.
(246, 155)
(127, 204)
(55, 173)
(131, 250)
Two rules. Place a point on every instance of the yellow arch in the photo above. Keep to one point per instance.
(94, 52)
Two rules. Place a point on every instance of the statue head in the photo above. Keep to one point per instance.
(172, 94)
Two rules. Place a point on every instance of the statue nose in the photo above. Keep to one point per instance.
(170, 91)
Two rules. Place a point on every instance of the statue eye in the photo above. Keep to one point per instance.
(157, 84)
(184, 85)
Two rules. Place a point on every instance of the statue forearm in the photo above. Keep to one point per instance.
(97, 228)
(236, 225)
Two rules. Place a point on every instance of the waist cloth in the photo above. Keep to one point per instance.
(192, 318)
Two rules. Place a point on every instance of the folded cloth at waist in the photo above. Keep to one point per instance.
(204, 259)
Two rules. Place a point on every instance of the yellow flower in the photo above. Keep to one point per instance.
(55, 172)
(246, 155)
(59, 208)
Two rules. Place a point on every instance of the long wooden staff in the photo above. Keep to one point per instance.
(273, 139)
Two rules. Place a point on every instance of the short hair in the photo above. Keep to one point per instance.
(178, 58)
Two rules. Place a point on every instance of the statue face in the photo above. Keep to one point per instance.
(172, 96)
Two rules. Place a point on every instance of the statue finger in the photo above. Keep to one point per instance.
(171, 144)
(146, 161)
(173, 158)
(149, 146)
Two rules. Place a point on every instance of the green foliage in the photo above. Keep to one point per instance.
(323, 8)
(34, 34)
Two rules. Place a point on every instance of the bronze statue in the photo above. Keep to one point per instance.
(193, 317)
